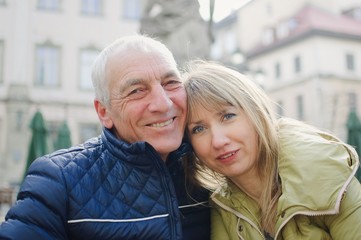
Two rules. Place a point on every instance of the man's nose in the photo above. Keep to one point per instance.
(160, 100)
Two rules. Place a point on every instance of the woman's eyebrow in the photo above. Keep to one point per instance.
(195, 121)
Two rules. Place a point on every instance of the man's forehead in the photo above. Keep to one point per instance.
(144, 78)
(136, 57)
(135, 66)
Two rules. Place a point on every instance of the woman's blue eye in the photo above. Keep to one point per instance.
(197, 129)
(228, 116)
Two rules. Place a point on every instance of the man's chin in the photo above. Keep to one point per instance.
(166, 147)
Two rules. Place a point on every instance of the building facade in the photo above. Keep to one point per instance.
(47, 48)
(305, 54)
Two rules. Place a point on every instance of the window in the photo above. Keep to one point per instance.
(1, 61)
(297, 64)
(49, 4)
(300, 108)
(354, 13)
(87, 57)
(47, 66)
(268, 36)
(282, 30)
(19, 120)
(269, 9)
(357, 13)
(350, 62)
(52, 128)
(277, 70)
(352, 101)
(91, 7)
(88, 130)
(132, 9)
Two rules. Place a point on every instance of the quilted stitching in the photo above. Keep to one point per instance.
(86, 195)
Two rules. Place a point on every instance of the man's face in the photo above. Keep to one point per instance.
(147, 101)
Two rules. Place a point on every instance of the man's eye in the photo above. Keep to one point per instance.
(172, 84)
(197, 129)
(135, 91)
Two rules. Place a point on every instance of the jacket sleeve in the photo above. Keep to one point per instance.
(40, 209)
(347, 223)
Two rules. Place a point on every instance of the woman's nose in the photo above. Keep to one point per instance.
(219, 137)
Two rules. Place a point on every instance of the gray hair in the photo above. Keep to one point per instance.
(139, 43)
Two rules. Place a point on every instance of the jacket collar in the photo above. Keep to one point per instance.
(133, 151)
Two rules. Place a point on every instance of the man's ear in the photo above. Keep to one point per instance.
(103, 114)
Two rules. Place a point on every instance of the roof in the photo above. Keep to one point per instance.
(311, 20)
(315, 18)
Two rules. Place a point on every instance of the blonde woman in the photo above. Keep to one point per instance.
(272, 179)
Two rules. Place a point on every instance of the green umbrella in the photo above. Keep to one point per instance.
(38, 144)
(63, 140)
(354, 135)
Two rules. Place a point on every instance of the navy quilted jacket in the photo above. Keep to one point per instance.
(107, 189)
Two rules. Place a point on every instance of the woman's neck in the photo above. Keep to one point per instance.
(251, 186)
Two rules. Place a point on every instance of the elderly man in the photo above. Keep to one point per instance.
(128, 183)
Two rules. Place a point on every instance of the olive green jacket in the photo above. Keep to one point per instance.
(321, 198)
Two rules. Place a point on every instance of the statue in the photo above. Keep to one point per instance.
(179, 25)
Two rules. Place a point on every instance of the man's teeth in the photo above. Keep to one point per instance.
(163, 124)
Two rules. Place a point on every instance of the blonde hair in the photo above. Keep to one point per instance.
(211, 85)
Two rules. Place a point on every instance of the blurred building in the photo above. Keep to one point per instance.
(305, 54)
(47, 48)
(179, 25)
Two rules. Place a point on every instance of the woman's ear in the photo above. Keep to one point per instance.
(103, 114)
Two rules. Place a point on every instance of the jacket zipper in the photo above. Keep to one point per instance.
(167, 189)
(238, 214)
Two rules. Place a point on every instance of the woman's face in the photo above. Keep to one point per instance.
(225, 141)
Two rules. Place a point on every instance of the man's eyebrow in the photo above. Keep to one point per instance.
(130, 82)
(134, 81)
(171, 74)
